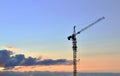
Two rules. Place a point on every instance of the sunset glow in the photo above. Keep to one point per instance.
(33, 35)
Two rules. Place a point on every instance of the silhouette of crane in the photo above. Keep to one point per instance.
(74, 42)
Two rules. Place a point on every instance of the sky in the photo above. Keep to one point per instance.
(39, 29)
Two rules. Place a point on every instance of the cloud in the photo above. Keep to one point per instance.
(11, 48)
(54, 62)
(15, 60)
(30, 61)
(8, 61)
(4, 56)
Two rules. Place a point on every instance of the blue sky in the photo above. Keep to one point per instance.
(37, 23)
(42, 26)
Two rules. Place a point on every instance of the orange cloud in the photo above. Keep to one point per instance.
(15, 50)
(1, 68)
(50, 68)
(11, 48)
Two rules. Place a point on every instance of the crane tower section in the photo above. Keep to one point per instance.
(74, 42)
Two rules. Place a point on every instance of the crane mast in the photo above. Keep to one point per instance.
(74, 42)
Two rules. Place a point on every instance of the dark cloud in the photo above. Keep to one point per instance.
(4, 56)
(30, 61)
(54, 62)
(15, 60)
(9, 61)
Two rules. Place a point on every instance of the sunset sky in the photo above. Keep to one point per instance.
(39, 29)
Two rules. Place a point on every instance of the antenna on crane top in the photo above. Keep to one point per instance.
(74, 41)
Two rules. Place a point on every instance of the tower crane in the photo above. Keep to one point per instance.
(74, 42)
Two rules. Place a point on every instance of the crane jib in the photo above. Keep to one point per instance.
(90, 25)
